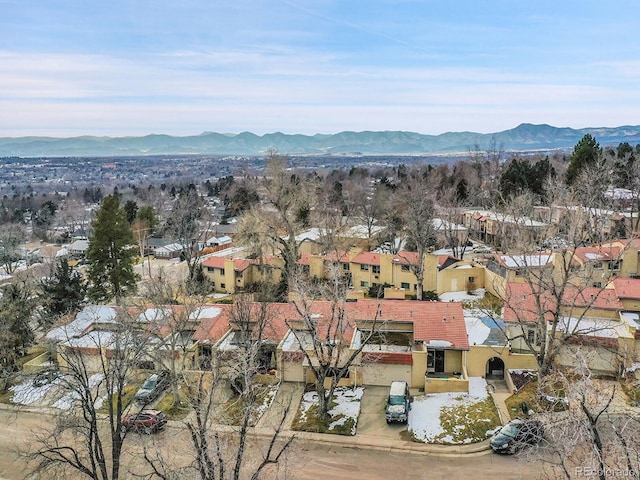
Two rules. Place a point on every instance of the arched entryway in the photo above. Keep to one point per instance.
(495, 368)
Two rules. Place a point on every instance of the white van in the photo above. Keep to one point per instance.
(397, 409)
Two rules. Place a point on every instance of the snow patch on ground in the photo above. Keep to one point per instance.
(463, 296)
(347, 406)
(67, 401)
(424, 416)
(270, 395)
(26, 393)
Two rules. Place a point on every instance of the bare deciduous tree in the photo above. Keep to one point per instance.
(594, 435)
(95, 367)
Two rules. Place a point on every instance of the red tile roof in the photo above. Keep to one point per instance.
(592, 297)
(627, 288)
(214, 262)
(239, 264)
(431, 320)
(522, 305)
(367, 258)
(305, 259)
(598, 253)
(404, 257)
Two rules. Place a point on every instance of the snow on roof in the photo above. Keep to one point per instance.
(86, 317)
(361, 231)
(205, 312)
(620, 194)
(477, 330)
(442, 224)
(93, 339)
(632, 319)
(535, 260)
(172, 247)
(154, 314)
(312, 234)
(592, 327)
(291, 344)
(439, 343)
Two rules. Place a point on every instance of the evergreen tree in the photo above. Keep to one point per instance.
(587, 152)
(131, 210)
(62, 294)
(110, 254)
(16, 334)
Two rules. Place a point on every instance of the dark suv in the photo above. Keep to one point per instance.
(145, 421)
(153, 387)
(516, 435)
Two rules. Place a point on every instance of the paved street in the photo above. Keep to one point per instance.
(307, 459)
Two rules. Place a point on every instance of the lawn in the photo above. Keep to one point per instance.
(536, 401)
(343, 413)
(633, 392)
(233, 409)
(454, 418)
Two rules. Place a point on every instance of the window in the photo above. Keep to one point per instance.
(222, 271)
(223, 286)
(405, 285)
(597, 284)
(376, 268)
(345, 266)
(531, 336)
(364, 284)
(598, 265)
(472, 279)
(405, 268)
(518, 272)
(615, 265)
(211, 269)
(364, 267)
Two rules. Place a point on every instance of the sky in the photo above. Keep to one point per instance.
(135, 67)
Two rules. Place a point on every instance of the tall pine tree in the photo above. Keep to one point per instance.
(63, 293)
(110, 254)
(16, 334)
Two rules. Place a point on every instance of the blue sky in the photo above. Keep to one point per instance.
(133, 67)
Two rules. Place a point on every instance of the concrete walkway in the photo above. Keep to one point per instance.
(500, 392)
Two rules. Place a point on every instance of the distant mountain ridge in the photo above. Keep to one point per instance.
(523, 137)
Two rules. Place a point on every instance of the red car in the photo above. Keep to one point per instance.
(147, 421)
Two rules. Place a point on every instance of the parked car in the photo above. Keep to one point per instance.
(145, 421)
(153, 387)
(516, 435)
(397, 409)
(481, 249)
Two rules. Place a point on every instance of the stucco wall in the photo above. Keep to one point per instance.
(479, 355)
(452, 361)
(384, 374)
(419, 368)
(442, 385)
(292, 371)
(457, 279)
(598, 359)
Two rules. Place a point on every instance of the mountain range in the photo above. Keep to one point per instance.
(525, 137)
